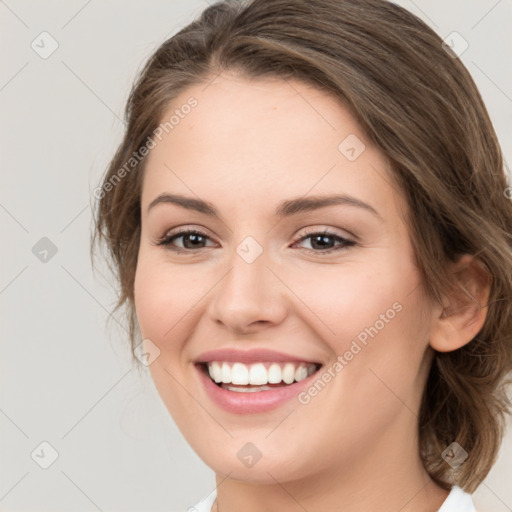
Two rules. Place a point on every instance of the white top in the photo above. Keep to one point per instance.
(456, 501)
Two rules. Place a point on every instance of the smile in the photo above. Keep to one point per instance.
(255, 377)
(254, 388)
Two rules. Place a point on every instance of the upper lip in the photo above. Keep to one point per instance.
(250, 356)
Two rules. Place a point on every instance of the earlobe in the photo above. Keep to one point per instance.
(463, 313)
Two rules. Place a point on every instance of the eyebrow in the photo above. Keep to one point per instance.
(285, 209)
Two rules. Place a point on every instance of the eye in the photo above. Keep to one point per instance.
(192, 239)
(322, 242)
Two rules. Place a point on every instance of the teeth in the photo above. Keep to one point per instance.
(246, 390)
(275, 376)
(288, 373)
(226, 373)
(258, 374)
(301, 373)
(239, 374)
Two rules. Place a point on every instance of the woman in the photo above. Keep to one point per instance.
(309, 220)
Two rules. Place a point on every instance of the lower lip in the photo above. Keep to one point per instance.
(255, 402)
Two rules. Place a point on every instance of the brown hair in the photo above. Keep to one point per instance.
(420, 106)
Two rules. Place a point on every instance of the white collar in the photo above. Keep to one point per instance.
(458, 501)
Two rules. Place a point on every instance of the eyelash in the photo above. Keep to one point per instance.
(166, 240)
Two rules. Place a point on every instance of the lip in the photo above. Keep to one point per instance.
(250, 356)
(251, 403)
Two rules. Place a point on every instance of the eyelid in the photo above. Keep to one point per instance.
(346, 235)
(175, 233)
(181, 230)
(187, 228)
(344, 242)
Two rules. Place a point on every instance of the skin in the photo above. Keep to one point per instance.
(247, 146)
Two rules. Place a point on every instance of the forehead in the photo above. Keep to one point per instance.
(262, 140)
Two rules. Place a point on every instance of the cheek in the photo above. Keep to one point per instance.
(387, 352)
(151, 300)
(164, 303)
(345, 300)
(374, 316)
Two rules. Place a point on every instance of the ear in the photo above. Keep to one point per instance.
(463, 312)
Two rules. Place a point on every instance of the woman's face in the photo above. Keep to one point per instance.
(261, 276)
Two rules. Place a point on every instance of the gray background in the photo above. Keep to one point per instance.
(66, 378)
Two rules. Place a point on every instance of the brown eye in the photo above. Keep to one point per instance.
(322, 242)
(191, 239)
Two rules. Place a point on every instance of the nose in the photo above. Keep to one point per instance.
(249, 297)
